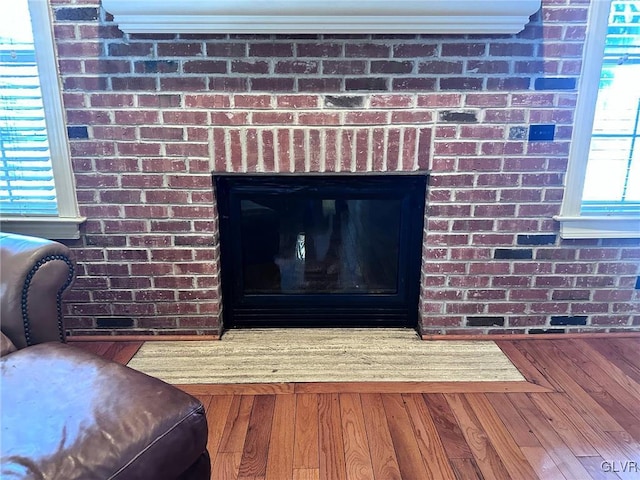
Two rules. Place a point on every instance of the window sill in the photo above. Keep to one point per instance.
(53, 228)
(599, 227)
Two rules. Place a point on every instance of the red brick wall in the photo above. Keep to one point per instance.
(151, 116)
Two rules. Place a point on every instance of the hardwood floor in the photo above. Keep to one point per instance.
(579, 420)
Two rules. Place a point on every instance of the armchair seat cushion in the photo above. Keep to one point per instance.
(68, 414)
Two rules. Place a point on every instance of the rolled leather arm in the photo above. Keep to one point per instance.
(34, 273)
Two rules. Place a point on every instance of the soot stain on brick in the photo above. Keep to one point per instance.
(458, 117)
(155, 66)
(555, 83)
(114, 322)
(78, 132)
(366, 83)
(344, 101)
(513, 254)
(546, 330)
(485, 321)
(517, 133)
(76, 14)
(537, 239)
(569, 320)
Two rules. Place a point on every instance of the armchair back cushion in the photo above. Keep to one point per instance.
(34, 274)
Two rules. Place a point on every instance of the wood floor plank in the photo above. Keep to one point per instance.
(614, 356)
(217, 414)
(601, 367)
(627, 464)
(281, 443)
(627, 444)
(205, 400)
(516, 425)
(624, 469)
(123, 352)
(97, 348)
(528, 351)
(598, 438)
(383, 455)
(611, 405)
(542, 463)
(305, 474)
(354, 436)
(483, 451)
(569, 384)
(611, 446)
(524, 364)
(433, 452)
(596, 467)
(505, 446)
(331, 449)
(629, 348)
(408, 453)
(466, 469)
(235, 430)
(570, 434)
(447, 426)
(225, 465)
(620, 407)
(119, 352)
(256, 444)
(564, 458)
(305, 450)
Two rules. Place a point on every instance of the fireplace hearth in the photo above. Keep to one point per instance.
(320, 250)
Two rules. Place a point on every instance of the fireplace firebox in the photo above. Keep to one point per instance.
(320, 250)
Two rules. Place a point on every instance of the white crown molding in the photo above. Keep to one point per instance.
(322, 16)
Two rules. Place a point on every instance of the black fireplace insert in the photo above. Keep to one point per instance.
(320, 250)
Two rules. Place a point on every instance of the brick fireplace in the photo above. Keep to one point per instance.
(151, 116)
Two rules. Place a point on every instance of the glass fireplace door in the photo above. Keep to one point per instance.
(301, 245)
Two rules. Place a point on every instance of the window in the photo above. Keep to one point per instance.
(37, 194)
(602, 197)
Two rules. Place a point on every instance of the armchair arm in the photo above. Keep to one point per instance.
(34, 273)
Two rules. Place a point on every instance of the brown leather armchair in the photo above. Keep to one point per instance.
(67, 414)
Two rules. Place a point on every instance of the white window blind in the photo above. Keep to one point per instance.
(37, 188)
(612, 180)
(26, 175)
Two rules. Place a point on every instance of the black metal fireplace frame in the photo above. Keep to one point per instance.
(241, 310)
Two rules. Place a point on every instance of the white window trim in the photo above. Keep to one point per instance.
(66, 224)
(572, 224)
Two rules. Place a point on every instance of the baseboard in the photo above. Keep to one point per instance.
(476, 337)
(531, 336)
(139, 338)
